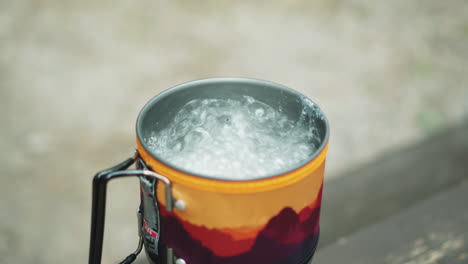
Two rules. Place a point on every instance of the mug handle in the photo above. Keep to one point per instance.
(98, 210)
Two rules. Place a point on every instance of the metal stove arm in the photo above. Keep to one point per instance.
(132, 257)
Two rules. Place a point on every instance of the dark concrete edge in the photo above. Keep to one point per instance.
(393, 182)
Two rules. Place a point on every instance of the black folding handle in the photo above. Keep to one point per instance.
(98, 210)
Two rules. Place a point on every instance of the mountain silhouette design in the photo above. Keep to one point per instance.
(288, 238)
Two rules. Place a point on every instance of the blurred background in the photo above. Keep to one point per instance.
(74, 75)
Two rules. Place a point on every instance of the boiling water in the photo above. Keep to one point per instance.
(235, 139)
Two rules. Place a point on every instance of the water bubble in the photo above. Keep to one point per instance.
(259, 112)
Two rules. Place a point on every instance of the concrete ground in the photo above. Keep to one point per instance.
(74, 75)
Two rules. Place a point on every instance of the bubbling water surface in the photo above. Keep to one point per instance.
(234, 139)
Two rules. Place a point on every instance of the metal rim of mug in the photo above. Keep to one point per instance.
(194, 83)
